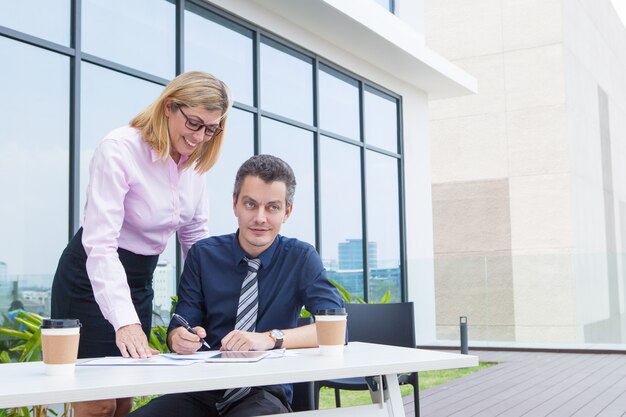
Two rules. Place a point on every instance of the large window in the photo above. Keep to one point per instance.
(34, 114)
(342, 247)
(295, 146)
(48, 20)
(220, 47)
(286, 82)
(139, 34)
(221, 178)
(339, 104)
(338, 131)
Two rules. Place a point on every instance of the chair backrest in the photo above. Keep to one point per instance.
(387, 324)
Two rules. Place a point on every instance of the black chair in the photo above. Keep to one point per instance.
(386, 324)
(303, 396)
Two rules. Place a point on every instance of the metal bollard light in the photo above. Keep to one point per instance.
(463, 324)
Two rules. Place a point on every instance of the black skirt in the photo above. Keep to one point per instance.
(73, 298)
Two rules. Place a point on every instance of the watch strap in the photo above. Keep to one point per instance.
(278, 340)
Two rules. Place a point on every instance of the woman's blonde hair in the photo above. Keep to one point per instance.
(191, 89)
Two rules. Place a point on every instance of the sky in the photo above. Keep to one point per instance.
(620, 7)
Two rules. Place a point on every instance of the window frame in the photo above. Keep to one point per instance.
(259, 34)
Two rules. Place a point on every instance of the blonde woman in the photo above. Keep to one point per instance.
(145, 184)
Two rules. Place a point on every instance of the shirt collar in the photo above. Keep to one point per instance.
(156, 157)
(265, 257)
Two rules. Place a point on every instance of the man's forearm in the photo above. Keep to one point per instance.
(300, 337)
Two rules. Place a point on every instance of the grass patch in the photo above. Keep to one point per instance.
(427, 379)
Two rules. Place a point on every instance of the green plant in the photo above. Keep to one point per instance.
(24, 345)
(158, 339)
(349, 298)
(27, 340)
(427, 379)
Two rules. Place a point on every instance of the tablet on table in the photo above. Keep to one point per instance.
(238, 356)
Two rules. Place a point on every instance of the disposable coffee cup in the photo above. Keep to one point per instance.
(331, 331)
(59, 345)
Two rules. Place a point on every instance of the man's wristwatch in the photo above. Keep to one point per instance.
(277, 336)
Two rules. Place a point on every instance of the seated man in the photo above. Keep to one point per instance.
(245, 291)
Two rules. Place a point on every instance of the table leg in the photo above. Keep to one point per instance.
(390, 406)
(394, 401)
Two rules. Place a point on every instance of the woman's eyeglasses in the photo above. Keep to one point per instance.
(209, 130)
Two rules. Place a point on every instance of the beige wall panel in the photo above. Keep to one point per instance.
(582, 37)
(548, 334)
(540, 212)
(460, 28)
(469, 148)
(472, 259)
(531, 23)
(537, 141)
(534, 77)
(545, 295)
(477, 332)
(478, 286)
(471, 217)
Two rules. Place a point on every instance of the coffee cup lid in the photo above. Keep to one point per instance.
(60, 323)
(331, 312)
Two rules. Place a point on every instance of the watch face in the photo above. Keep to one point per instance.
(277, 334)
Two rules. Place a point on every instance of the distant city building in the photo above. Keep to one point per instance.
(385, 273)
(330, 264)
(349, 273)
(351, 254)
(36, 301)
(351, 280)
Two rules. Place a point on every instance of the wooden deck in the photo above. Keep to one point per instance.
(532, 384)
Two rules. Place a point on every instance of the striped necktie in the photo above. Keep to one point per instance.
(246, 321)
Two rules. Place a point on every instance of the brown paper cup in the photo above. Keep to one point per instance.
(59, 345)
(331, 331)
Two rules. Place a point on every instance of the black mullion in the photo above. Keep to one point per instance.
(74, 127)
(316, 159)
(38, 42)
(180, 36)
(256, 75)
(123, 69)
(401, 194)
(366, 284)
(180, 67)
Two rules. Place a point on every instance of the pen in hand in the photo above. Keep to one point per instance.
(186, 325)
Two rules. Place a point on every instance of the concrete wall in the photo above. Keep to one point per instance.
(595, 60)
(530, 141)
(544, 137)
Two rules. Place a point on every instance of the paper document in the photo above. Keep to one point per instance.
(194, 357)
(171, 359)
(155, 360)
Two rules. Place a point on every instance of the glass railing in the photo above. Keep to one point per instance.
(33, 293)
(542, 300)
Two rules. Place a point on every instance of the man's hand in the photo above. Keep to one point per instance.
(132, 342)
(240, 340)
(184, 342)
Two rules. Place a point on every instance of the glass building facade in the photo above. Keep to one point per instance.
(68, 72)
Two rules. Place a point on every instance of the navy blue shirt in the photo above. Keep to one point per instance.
(291, 276)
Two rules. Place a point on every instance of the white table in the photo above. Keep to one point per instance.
(25, 384)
